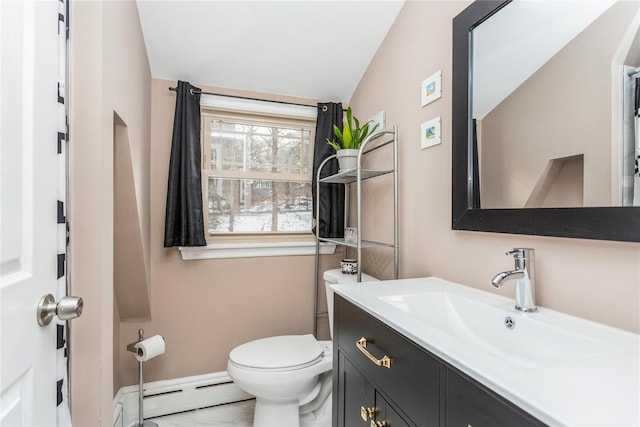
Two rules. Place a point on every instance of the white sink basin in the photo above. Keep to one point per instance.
(527, 344)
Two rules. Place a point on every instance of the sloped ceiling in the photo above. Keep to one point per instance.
(308, 49)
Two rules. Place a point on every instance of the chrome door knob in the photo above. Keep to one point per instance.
(66, 309)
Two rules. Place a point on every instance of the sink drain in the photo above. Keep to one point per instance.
(509, 322)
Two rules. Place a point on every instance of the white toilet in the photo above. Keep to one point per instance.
(289, 375)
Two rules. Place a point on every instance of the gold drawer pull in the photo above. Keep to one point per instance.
(366, 413)
(379, 423)
(362, 346)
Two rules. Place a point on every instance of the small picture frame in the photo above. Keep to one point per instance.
(430, 133)
(431, 88)
(377, 119)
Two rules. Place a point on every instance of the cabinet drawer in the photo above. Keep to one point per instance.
(354, 396)
(412, 381)
(358, 403)
(469, 404)
(386, 415)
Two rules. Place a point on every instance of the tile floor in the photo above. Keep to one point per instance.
(238, 414)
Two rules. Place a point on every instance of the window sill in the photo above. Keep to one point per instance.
(252, 250)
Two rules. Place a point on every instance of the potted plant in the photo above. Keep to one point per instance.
(349, 140)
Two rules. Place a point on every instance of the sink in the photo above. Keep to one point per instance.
(513, 337)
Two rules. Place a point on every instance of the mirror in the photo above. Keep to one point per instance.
(535, 146)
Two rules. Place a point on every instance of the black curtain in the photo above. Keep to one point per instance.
(184, 224)
(331, 221)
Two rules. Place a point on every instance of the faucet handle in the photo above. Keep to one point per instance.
(521, 252)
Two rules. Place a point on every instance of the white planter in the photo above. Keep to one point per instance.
(347, 158)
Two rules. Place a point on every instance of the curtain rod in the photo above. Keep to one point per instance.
(175, 89)
(633, 71)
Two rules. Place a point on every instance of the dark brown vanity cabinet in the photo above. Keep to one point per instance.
(416, 389)
(362, 404)
(358, 397)
(410, 386)
(470, 404)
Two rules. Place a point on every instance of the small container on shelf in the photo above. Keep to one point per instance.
(351, 235)
(349, 266)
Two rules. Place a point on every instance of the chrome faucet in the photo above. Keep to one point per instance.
(524, 275)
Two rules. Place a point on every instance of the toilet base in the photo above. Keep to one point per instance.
(276, 414)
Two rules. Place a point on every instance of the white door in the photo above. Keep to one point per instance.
(29, 123)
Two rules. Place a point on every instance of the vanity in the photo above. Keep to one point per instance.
(428, 352)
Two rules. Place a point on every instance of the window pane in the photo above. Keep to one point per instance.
(259, 148)
(252, 206)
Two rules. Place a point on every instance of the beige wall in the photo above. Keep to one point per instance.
(564, 109)
(109, 74)
(205, 308)
(130, 277)
(591, 279)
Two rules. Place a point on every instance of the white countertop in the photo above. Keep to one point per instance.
(603, 390)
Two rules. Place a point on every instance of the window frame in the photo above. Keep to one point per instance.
(208, 114)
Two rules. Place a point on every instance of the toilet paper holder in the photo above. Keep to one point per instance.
(132, 348)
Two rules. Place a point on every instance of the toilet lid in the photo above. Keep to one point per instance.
(282, 352)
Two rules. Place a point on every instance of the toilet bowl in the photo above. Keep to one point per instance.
(289, 375)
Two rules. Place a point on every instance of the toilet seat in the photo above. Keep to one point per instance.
(290, 376)
(281, 353)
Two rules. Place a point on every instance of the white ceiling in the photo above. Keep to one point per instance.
(304, 48)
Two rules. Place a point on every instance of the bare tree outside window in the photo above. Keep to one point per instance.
(258, 174)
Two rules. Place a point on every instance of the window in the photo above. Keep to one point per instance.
(256, 174)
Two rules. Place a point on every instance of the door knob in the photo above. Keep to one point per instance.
(66, 309)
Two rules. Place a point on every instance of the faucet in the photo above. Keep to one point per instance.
(524, 276)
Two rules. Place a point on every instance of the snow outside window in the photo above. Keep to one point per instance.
(256, 175)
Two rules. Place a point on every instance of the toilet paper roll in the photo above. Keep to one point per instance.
(149, 348)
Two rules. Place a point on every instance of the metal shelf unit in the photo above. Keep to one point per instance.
(383, 138)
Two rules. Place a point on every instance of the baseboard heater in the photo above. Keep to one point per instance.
(178, 395)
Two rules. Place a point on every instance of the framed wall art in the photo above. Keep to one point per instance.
(431, 88)
(430, 133)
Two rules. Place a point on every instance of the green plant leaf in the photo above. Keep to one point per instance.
(365, 130)
(338, 133)
(349, 117)
(347, 137)
(356, 138)
(334, 145)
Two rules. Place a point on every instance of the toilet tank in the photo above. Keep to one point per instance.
(334, 277)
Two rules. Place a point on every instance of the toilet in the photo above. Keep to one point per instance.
(289, 375)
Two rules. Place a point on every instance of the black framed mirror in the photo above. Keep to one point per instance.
(600, 222)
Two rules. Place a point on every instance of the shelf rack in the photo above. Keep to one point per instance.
(383, 138)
